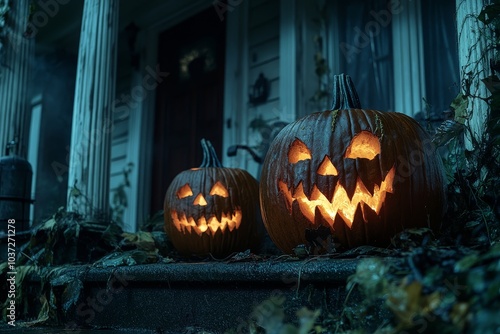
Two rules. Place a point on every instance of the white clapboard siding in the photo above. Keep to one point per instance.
(120, 146)
(117, 166)
(264, 52)
(263, 32)
(274, 90)
(120, 131)
(268, 110)
(120, 128)
(269, 69)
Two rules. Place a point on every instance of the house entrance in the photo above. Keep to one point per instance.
(189, 103)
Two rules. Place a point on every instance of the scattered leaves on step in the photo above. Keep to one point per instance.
(245, 256)
(140, 240)
(71, 287)
(130, 258)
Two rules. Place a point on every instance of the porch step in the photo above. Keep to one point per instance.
(213, 296)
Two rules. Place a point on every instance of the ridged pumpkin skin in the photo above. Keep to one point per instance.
(414, 198)
(241, 202)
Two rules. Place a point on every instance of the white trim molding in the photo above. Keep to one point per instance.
(235, 89)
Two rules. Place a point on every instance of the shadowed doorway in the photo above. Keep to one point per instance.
(189, 103)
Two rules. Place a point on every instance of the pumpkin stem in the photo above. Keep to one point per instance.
(210, 158)
(344, 93)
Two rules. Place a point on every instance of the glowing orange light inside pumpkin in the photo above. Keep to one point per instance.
(189, 224)
(184, 191)
(327, 168)
(201, 225)
(340, 203)
(219, 190)
(363, 145)
(298, 151)
(200, 200)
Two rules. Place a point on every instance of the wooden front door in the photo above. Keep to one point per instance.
(189, 103)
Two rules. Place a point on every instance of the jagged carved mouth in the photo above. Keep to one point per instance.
(201, 225)
(340, 203)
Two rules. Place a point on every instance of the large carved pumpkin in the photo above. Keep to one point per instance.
(212, 209)
(349, 176)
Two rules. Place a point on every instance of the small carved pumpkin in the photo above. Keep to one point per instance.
(212, 209)
(360, 175)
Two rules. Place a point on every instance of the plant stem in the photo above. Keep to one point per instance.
(344, 93)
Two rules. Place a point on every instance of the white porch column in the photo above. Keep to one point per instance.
(15, 70)
(473, 57)
(408, 55)
(92, 114)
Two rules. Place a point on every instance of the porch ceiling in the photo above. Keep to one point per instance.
(58, 25)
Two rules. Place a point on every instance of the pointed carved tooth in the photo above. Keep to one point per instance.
(340, 203)
(237, 218)
(213, 224)
(175, 219)
(188, 224)
(223, 226)
(202, 225)
(328, 216)
(287, 193)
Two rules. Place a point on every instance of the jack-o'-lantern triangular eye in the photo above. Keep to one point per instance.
(298, 151)
(200, 200)
(327, 167)
(184, 191)
(363, 145)
(219, 190)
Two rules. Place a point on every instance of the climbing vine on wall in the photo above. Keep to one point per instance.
(322, 95)
(473, 172)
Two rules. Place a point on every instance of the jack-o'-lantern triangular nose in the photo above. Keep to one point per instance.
(200, 200)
